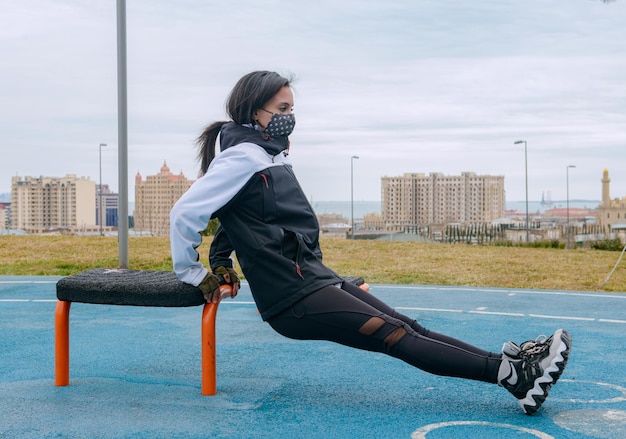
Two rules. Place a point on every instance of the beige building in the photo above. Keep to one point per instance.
(610, 212)
(44, 204)
(373, 221)
(155, 197)
(416, 199)
(3, 217)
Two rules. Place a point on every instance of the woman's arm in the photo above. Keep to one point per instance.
(227, 175)
(221, 250)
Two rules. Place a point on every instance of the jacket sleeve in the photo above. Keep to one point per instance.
(227, 174)
(221, 250)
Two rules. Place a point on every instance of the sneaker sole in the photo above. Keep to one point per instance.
(559, 351)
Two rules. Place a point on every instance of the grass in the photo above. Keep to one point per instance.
(376, 261)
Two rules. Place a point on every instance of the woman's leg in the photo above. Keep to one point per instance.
(386, 309)
(337, 315)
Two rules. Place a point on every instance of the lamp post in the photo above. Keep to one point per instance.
(526, 167)
(567, 191)
(352, 194)
(100, 191)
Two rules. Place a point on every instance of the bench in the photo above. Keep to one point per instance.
(114, 286)
(111, 286)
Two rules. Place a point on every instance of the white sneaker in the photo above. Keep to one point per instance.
(534, 366)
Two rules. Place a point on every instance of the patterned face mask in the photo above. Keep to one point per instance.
(280, 125)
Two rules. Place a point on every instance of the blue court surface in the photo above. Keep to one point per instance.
(135, 372)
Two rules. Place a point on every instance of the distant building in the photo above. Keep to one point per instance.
(373, 221)
(5, 216)
(325, 219)
(45, 204)
(578, 214)
(155, 197)
(610, 212)
(110, 207)
(416, 199)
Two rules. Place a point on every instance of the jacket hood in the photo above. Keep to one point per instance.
(232, 134)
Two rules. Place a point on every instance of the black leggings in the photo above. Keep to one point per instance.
(353, 317)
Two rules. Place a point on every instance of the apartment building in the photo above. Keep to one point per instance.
(43, 204)
(154, 198)
(610, 212)
(5, 216)
(110, 202)
(415, 200)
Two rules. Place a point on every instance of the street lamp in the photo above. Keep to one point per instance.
(100, 190)
(567, 190)
(352, 194)
(526, 166)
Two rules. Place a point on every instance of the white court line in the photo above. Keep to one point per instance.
(511, 314)
(429, 309)
(508, 314)
(422, 432)
(542, 316)
(55, 300)
(611, 321)
(27, 282)
(506, 290)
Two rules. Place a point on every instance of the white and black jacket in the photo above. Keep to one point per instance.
(264, 217)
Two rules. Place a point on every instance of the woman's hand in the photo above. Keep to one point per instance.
(210, 287)
(224, 282)
(230, 277)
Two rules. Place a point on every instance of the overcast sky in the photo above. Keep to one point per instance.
(406, 85)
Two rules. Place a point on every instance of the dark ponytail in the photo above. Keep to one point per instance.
(206, 145)
(250, 93)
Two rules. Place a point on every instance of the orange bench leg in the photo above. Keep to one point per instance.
(62, 343)
(209, 370)
(209, 386)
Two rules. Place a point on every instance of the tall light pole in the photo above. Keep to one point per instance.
(100, 191)
(567, 191)
(526, 167)
(122, 136)
(352, 194)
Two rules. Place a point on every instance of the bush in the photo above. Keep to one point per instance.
(554, 243)
(211, 228)
(614, 244)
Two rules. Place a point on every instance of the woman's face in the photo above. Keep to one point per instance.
(281, 103)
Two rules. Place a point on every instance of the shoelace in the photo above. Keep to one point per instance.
(535, 346)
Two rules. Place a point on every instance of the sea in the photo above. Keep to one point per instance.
(363, 207)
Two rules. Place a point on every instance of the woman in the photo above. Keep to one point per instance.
(266, 219)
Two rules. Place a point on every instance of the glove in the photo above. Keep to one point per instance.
(208, 286)
(232, 275)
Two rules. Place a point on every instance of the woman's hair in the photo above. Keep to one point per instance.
(250, 93)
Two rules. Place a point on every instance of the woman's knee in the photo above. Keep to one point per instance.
(386, 328)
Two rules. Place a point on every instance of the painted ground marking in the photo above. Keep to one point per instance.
(421, 432)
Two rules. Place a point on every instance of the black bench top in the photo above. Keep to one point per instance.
(115, 286)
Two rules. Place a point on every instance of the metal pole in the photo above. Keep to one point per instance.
(567, 192)
(122, 135)
(352, 194)
(100, 191)
(526, 168)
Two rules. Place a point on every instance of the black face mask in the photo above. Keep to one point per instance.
(280, 125)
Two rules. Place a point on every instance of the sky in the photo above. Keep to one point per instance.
(405, 85)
